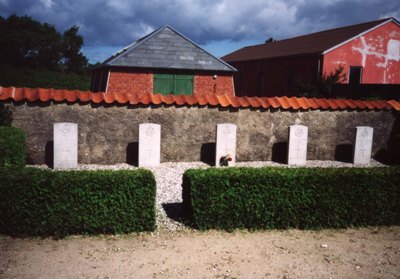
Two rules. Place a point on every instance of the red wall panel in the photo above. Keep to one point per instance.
(377, 51)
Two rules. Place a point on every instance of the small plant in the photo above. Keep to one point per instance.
(224, 160)
(323, 86)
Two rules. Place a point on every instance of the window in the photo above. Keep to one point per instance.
(355, 75)
(173, 84)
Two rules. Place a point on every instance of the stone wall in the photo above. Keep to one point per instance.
(108, 134)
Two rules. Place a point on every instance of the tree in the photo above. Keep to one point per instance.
(73, 59)
(270, 40)
(27, 42)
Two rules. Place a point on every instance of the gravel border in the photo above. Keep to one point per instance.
(169, 183)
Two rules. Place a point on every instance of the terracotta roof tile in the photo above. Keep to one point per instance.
(145, 99)
(19, 94)
(156, 99)
(350, 104)
(274, 102)
(322, 103)
(45, 95)
(394, 104)
(5, 93)
(121, 98)
(168, 99)
(109, 98)
(133, 99)
(284, 102)
(294, 104)
(97, 98)
(223, 101)
(202, 100)
(179, 100)
(31, 94)
(191, 100)
(313, 103)
(212, 100)
(253, 102)
(370, 104)
(264, 102)
(245, 102)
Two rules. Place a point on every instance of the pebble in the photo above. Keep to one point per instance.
(169, 183)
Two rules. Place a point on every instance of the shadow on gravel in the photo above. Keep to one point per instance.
(177, 212)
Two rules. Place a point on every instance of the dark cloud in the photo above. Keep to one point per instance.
(117, 23)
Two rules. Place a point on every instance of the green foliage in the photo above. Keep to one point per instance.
(5, 115)
(270, 40)
(23, 77)
(12, 147)
(29, 44)
(59, 203)
(323, 86)
(280, 198)
(74, 60)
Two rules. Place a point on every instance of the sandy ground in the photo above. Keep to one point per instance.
(352, 253)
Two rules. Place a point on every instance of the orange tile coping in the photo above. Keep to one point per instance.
(295, 103)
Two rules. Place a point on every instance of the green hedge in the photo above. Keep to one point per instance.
(12, 147)
(279, 198)
(58, 203)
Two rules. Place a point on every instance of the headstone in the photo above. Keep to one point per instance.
(149, 145)
(297, 150)
(65, 145)
(225, 144)
(363, 145)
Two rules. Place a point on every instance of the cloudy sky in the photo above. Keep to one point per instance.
(220, 26)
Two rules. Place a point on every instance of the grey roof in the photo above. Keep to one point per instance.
(166, 48)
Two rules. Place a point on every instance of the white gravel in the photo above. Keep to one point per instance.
(169, 184)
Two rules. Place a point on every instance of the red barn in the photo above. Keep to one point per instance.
(368, 52)
(164, 62)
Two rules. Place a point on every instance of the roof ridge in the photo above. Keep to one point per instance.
(378, 21)
(284, 102)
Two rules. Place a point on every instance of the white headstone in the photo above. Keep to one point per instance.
(363, 145)
(297, 150)
(225, 143)
(65, 145)
(149, 145)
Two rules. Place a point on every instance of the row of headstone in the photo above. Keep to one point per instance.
(297, 151)
(66, 145)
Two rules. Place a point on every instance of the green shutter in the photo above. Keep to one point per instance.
(163, 84)
(183, 84)
(173, 84)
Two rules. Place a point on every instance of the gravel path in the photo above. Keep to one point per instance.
(169, 184)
